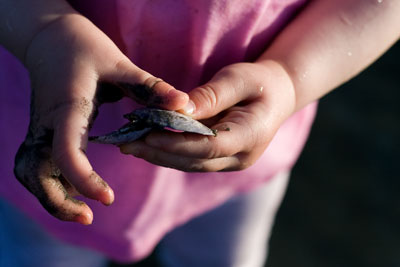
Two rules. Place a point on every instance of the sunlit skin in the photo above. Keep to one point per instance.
(327, 44)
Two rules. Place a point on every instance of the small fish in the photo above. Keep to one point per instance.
(144, 120)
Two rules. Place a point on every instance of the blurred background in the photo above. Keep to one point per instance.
(342, 208)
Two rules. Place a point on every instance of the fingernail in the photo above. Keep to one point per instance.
(109, 197)
(190, 108)
(85, 219)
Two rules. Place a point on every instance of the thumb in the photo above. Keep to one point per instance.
(231, 85)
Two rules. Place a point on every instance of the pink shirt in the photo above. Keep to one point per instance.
(183, 42)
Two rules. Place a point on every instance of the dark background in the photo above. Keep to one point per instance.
(342, 207)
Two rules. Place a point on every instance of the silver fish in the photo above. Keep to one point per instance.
(144, 120)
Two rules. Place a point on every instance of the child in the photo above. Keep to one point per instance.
(246, 66)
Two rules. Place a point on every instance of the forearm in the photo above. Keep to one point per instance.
(331, 41)
(21, 20)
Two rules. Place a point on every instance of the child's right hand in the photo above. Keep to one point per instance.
(67, 61)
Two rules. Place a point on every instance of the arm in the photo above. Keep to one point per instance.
(327, 44)
(69, 60)
(332, 41)
(21, 20)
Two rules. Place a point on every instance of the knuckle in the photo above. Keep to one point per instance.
(207, 96)
(151, 81)
(123, 67)
(213, 150)
(217, 149)
(128, 72)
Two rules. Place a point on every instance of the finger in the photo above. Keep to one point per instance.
(158, 157)
(69, 144)
(56, 200)
(71, 190)
(199, 146)
(232, 85)
(35, 169)
(146, 89)
(240, 130)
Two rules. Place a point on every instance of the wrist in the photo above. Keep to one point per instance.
(21, 21)
(279, 90)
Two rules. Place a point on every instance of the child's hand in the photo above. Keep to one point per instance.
(245, 102)
(68, 62)
(328, 43)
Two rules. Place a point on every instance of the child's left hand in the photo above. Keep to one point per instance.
(245, 102)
